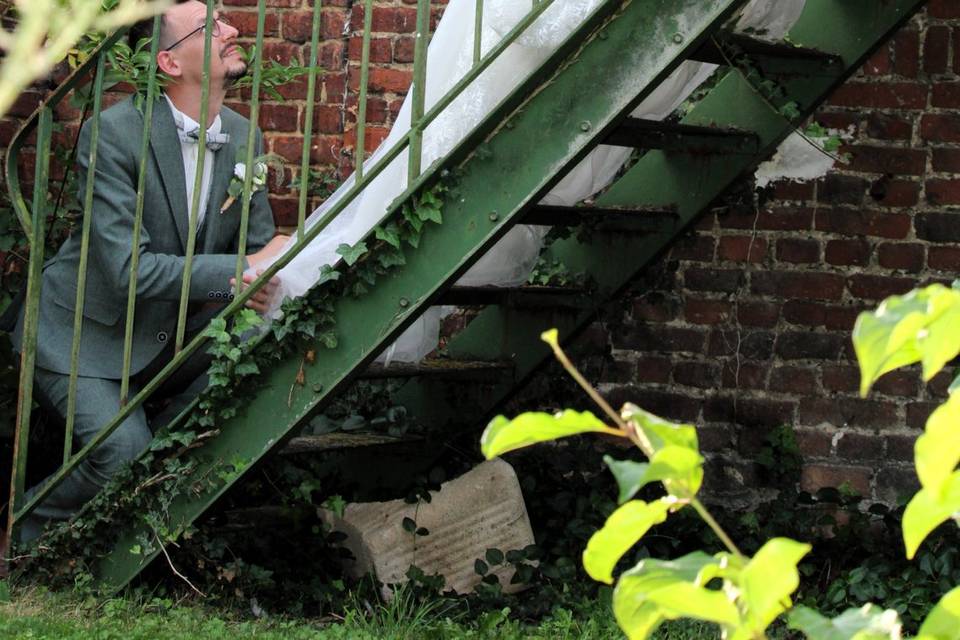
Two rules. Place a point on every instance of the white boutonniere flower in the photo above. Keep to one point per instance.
(257, 182)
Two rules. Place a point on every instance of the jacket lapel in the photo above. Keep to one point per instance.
(165, 145)
(219, 183)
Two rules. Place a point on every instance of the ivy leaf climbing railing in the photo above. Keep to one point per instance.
(33, 216)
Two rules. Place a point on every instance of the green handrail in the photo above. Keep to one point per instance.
(421, 120)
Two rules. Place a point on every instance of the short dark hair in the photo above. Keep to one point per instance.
(144, 29)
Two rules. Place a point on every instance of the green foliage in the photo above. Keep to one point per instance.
(922, 326)
(504, 435)
(743, 595)
(866, 623)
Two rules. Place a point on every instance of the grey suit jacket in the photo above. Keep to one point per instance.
(162, 244)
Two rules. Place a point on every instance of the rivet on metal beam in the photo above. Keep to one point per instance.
(585, 125)
(317, 388)
(494, 216)
(404, 303)
(603, 35)
(678, 38)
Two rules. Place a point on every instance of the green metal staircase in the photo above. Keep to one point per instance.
(502, 169)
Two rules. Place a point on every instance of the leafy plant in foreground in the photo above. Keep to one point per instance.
(743, 595)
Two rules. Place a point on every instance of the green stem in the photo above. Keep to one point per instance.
(715, 526)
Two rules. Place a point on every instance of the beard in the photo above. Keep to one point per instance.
(234, 72)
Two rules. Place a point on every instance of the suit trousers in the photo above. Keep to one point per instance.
(98, 401)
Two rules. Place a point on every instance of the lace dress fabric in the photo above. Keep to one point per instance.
(449, 58)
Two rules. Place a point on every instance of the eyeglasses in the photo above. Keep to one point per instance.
(220, 20)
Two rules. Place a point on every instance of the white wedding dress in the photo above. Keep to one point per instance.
(450, 57)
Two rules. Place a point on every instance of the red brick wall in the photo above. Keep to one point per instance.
(745, 324)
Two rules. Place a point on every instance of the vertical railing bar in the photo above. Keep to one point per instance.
(251, 145)
(198, 179)
(84, 258)
(31, 316)
(138, 213)
(360, 150)
(477, 31)
(308, 121)
(419, 90)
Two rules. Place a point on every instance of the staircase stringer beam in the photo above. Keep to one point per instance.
(684, 182)
(559, 123)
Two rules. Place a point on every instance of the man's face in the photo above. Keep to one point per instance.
(226, 62)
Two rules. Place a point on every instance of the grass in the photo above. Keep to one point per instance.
(37, 614)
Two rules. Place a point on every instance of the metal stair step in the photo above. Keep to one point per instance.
(603, 219)
(652, 134)
(710, 51)
(472, 370)
(339, 441)
(525, 296)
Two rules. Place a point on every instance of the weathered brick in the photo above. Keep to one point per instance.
(906, 47)
(894, 95)
(943, 192)
(653, 369)
(945, 95)
(751, 345)
(886, 126)
(706, 311)
(946, 160)
(791, 284)
(758, 314)
(943, 9)
(656, 307)
(860, 446)
(814, 477)
(719, 280)
(848, 412)
(742, 249)
(887, 160)
(918, 412)
(790, 379)
(814, 442)
(778, 219)
(936, 49)
(937, 226)
(805, 313)
(666, 404)
(848, 252)
(895, 193)
(901, 255)
(841, 189)
(940, 127)
(900, 446)
(864, 223)
(798, 250)
(661, 338)
(703, 375)
(871, 287)
(944, 258)
(744, 374)
(803, 345)
(697, 248)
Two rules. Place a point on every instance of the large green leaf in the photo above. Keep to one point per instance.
(658, 431)
(943, 621)
(503, 435)
(937, 451)
(680, 470)
(622, 530)
(657, 590)
(869, 622)
(923, 325)
(769, 579)
(927, 510)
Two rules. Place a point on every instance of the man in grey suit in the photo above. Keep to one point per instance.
(175, 145)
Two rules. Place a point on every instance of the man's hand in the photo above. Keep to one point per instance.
(270, 250)
(260, 301)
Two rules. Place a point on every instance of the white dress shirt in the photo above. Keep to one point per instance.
(190, 154)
